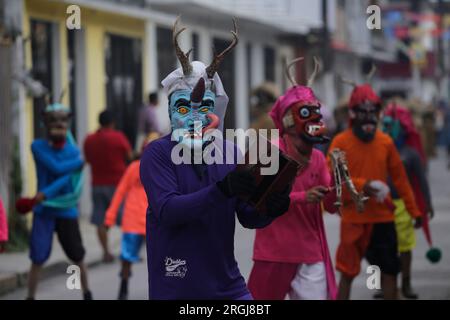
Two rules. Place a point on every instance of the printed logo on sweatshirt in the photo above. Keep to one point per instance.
(175, 267)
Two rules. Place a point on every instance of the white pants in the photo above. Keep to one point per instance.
(310, 282)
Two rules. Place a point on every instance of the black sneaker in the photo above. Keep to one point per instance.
(87, 295)
(378, 295)
(408, 293)
(123, 290)
(122, 295)
(407, 290)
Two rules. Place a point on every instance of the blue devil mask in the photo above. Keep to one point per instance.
(192, 114)
(197, 99)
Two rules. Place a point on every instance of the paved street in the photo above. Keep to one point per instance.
(104, 281)
(430, 281)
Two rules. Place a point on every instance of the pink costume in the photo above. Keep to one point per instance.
(3, 223)
(297, 237)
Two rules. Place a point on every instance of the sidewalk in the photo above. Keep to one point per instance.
(14, 267)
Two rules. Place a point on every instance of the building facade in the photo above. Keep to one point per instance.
(121, 53)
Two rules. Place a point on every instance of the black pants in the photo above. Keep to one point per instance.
(69, 236)
(382, 250)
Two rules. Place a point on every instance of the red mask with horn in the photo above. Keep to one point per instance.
(300, 108)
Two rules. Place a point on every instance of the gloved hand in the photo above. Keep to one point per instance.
(277, 204)
(25, 205)
(237, 182)
(377, 189)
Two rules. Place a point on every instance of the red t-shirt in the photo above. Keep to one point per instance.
(106, 151)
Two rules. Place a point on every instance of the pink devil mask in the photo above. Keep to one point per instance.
(300, 108)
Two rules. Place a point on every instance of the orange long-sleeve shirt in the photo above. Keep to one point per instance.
(135, 208)
(376, 160)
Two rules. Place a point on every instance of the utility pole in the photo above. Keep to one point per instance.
(441, 73)
(328, 88)
(325, 37)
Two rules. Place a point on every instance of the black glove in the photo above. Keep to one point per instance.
(237, 182)
(277, 204)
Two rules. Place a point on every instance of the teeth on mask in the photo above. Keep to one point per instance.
(313, 129)
(193, 135)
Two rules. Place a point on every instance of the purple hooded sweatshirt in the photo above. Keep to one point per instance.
(190, 228)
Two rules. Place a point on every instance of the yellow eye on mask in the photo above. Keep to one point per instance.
(183, 110)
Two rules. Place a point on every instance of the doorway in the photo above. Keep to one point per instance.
(124, 82)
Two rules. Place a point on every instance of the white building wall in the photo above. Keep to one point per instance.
(359, 34)
(151, 73)
(242, 118)
(292, 15)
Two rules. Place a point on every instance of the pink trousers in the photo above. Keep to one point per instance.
(271, 280)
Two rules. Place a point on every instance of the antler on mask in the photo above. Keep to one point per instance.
(287, 69)
(62, 94)
(347, 81)
(315, 72)
(48, 99)
(218, 58)
(182, 57)
(369, 77)
(371, 73)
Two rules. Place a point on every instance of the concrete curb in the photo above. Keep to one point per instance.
(10, 282)
(12, 279)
